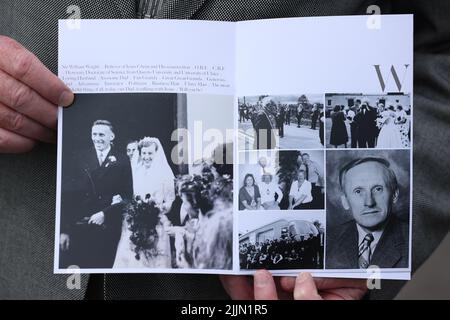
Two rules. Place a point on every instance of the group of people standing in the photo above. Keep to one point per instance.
(284, 115)
(268, 117)
(284, 253)
(383, 126)
(305, 190)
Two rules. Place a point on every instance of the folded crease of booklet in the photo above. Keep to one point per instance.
(228, 147)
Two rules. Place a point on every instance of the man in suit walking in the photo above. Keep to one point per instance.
(299, 115)
(91, 229)
(280, 120)
(375, 236)
(264, 133)
(315, 116)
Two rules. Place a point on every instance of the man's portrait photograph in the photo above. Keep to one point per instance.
(368, 199)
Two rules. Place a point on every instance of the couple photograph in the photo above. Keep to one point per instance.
(368, 121)
(127, 201)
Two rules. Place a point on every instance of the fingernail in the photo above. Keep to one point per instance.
(261, 278)
(66, 98)
(302, 277)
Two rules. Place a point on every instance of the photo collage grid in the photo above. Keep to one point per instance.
(323, 181)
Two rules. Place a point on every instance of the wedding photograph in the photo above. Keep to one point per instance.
(368, 209)
(281, 180)
(368, 121)
(281, 241)
(134, 197)
(281, 122)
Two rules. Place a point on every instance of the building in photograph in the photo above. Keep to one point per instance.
(280, 229)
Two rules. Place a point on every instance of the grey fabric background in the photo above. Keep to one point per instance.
(27, 182)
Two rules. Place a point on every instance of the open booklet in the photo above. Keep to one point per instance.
(227, 147)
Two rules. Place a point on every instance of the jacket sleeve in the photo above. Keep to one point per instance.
(431, 174)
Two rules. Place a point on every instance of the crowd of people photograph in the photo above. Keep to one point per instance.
(281, 122)
(369, 121)
(283, 244)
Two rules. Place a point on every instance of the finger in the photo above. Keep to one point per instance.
(341, 289)
(16, 122)
(283, 294)
(237, 287)
(305, 288)
(23, 99)
(264, 286)
(287, 283)
(11, 142)
(332, 283)
(22, 65)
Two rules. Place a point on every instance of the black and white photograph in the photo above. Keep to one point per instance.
(281, 122)
(368, 209)
(281, 241)
(368, 121)
(134, 196)
(281, 180)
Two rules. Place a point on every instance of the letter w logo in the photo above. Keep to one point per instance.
(394, 74)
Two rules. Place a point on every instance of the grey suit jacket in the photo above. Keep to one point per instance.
(392, 250)
(27, 182)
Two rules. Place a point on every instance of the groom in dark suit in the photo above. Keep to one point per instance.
(366, 126)
(375, 236)
(92, 210)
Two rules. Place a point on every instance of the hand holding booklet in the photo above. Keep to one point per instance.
(227, 147)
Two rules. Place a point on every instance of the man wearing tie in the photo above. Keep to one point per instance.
(93, 206)
(375, 236)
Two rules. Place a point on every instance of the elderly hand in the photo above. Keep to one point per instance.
(304, 287)
(29, 96)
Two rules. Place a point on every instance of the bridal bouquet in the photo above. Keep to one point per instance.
(142, 217)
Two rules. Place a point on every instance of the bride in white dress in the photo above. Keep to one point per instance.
(389, 136)
(152, 177)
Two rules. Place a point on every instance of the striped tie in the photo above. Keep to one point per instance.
(365, 252)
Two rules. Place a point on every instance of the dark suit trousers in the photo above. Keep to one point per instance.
(354, 135)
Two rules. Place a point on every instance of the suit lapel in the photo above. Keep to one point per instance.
(104, 168)
(105, 162)
(388, 251)
(349, 241)
(179, 9)
(127, 8)
(91, 160)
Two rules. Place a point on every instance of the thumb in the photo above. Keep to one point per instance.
(264, 286)
(305, 288)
